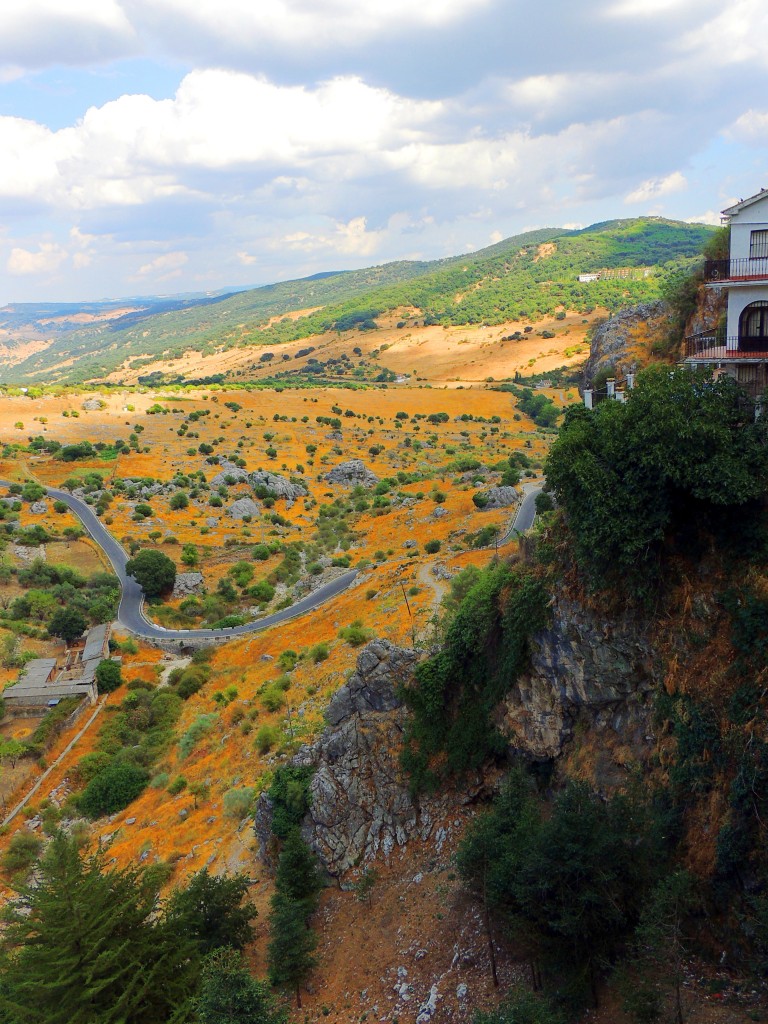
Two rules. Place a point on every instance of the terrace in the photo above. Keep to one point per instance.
(747, 270)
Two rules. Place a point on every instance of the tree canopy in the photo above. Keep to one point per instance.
(153, 571)
(676, 459)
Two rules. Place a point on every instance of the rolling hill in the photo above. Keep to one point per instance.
(525, 277)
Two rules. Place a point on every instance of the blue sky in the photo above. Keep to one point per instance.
(156, 146)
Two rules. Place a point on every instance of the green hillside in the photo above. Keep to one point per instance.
(513, 279)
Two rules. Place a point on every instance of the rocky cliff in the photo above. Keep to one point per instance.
(360, 802)
(586, 670)
(586, 674)
(624, 342)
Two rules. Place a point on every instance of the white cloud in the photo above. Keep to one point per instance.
(35, 33)
(655, 187)
(307, 23)
(163, 267)
(350, 238)
(48, 258)
(710, 217)
(752, 126)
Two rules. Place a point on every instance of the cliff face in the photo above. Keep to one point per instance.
(585, 671)
(361, 806)
(585, 675)
(624, 342)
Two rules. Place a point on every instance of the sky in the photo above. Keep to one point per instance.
(167, 146)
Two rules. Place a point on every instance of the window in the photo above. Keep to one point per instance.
(758, 245)
(753, 322)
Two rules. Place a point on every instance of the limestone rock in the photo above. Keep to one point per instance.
(280, 486)
(582, 668)
(187, 583)
(38, 508)
(501, 497)
(351, 473)
(614, 341)
(92, 404)
(360, 801)
(229, 473)
(243, 507)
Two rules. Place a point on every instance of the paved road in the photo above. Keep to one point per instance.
(526, 512)
(130, 613)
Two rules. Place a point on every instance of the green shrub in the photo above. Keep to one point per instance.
(113, 789)
(266, 737)
(178, 785)
(199, 728)
(238, 802)
(319, 653)
(356, 634)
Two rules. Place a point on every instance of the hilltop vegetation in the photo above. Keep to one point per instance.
(524, 277)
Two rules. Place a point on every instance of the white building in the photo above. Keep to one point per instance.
(741, 348)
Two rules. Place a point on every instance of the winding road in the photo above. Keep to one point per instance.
(130, 614)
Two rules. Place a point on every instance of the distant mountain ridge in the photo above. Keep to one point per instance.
(525, 276)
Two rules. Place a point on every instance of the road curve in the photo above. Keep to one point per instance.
(130, 614)
(526, 512)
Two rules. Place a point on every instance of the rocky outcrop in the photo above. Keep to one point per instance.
(351, 473)
(230, 474)
(278, 485)
(711, 305)
(622, 342)
(243, 507)
(187, 583)
(583, 668)
(587, 675)
(500, 497)
(361, 805)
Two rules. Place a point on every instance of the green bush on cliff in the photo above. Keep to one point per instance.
(454, 692)
(683, 458)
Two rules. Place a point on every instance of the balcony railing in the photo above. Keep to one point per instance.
(716, 345)
(754, 269)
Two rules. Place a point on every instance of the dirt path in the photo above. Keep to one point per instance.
(75, 739)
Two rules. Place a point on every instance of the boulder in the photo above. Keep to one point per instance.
(243, 507)
(231, 471)
(280, 486)
(352, 473)
(38, 508)
(187, 583)
(501, 497)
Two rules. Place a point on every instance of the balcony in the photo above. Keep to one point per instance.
(734, 271)
(716, 346)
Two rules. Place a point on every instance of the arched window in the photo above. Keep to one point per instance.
(753, 327)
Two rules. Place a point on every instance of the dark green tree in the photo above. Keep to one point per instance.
(211, 911)
(291, 945)
(153, 571)
(108, 676)
(298, 877)
(674, 461)
(113, 789)
(85, 944)
(229, 995)
(67, 623)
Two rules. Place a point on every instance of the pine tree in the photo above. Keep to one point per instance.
(85, 945)
(210, 910)
(291, 944)
(229, 995)
(292, 941)
(297, 874)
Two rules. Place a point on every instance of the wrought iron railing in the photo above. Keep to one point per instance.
(718, 345)
(752, 269)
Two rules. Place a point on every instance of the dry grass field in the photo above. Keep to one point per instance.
(428, 472)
